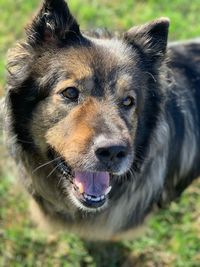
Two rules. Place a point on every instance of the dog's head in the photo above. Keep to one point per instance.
(87, 105)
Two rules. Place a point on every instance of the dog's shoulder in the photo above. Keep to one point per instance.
(186, 53)
(184, 62)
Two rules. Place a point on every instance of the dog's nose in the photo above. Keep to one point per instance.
(111, 153)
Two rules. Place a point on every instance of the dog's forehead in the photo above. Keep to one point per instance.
(102, 58)
(114, 49)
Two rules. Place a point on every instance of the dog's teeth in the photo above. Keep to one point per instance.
(80, 187)
(95, 199)
(87, 196)
(108, 190)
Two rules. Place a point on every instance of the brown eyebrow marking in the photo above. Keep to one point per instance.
(64, 84)
(124, 81)
(87, 83)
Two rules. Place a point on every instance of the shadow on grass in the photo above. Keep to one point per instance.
(107, 254)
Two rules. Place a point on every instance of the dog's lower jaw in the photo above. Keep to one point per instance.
(85, 209)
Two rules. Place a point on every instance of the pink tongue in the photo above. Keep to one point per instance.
(92, 183)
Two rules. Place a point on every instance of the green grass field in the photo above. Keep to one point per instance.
(173, 235)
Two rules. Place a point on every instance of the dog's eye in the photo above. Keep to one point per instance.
(71, 93)
(128, 102)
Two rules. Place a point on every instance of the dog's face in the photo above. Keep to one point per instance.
(85, 99)
(89, 118)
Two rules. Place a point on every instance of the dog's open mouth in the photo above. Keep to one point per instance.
(91, 188)
(88, 189)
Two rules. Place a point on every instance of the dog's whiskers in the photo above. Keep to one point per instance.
(24, 141)
(45, 164)
(54, 169)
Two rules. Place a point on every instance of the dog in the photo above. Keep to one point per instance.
(104, 128)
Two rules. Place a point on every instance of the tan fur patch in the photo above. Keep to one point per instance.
(124, 82)
(71, 136)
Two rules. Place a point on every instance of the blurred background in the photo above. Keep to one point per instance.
(173, 235)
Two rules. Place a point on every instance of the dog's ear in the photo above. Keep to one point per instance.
(53, 23)
(150, 39)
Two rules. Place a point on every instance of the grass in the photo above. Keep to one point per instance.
(173, 236)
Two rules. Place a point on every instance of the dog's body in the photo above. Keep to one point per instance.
(85, 114)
